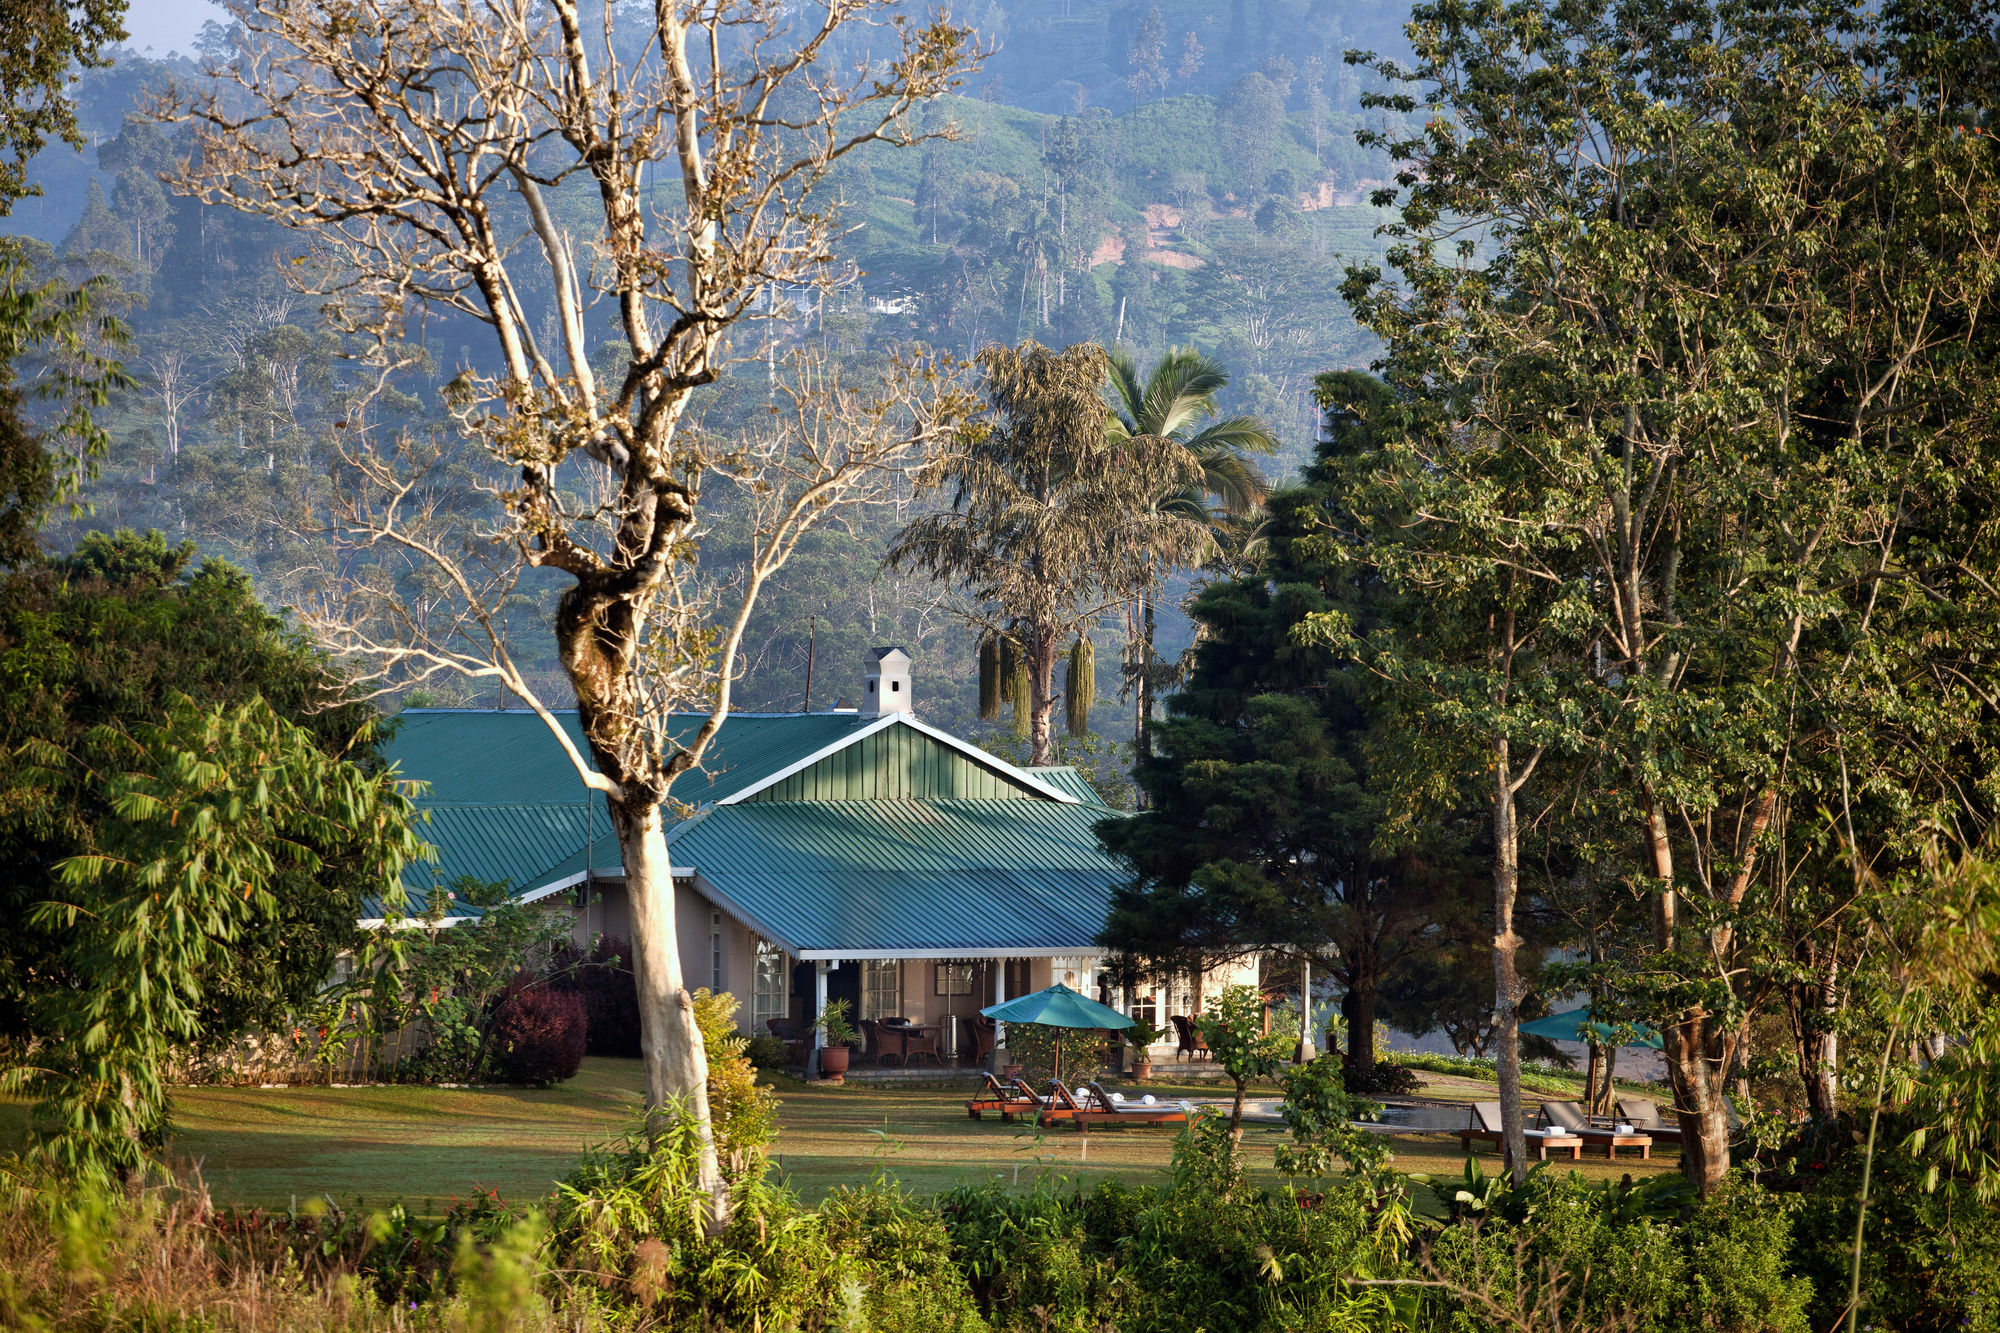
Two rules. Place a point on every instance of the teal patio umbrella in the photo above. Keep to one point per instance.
(1575, 1025)
(1058, 1007)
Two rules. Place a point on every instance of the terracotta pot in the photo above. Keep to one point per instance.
(1011, 1071)
(1142, 1069)
(833, 1062)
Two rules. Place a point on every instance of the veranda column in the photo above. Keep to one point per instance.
(999, 998)
(819, 1012)
(1306, 1049)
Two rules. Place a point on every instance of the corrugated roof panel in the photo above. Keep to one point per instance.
(891, 875)
(1066, 779)
(508, 757)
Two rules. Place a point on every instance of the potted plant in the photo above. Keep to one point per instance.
(1143, 1036)
(838, 1032)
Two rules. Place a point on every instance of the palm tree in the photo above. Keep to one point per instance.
(1049, 523)
(1176, 403)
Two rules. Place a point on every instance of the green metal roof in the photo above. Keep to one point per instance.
(507, 756)
(943, 877)
(1066, 779)
(505, 804)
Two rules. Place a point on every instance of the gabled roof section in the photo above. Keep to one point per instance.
(913, 771)
(1066, 778)
(851, 879)
(508, 756)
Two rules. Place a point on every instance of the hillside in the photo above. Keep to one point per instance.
(1069, 203)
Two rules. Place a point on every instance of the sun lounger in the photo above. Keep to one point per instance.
(1644, 1115)
(1061, 1104)
(1104, 1108)
(1485, 1128)
(1611, 1136)
(1008, 1099)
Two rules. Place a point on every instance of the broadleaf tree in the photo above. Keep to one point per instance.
(1678, 347)
(209, 811)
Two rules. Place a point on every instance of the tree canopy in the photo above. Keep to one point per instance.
(111, 659)
(1269, 827)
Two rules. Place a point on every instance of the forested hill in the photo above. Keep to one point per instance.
(1149, 176)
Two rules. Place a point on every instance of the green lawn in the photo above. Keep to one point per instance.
(269, 1145)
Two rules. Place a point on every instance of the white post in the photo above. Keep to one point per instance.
(999, 998)
(1306, 1048)
(819, 1011)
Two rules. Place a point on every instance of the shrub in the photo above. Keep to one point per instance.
(1929, 1260)
(627, 1223)
(1651, 1258)
(1165, 1261)
(1033, 1047)
(537, 1036)
(603, 978)
(1032, 1252)
(1379, 1079)
(912, 1285)
(768, 1052)
(1537, 1075)
(745, 1115)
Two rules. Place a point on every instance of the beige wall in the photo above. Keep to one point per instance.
(610, 913)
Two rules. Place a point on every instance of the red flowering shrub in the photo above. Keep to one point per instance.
(603, 978)
(538, 1036)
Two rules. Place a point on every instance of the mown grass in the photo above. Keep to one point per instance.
(271, 1146)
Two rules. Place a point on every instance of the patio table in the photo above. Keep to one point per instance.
(1613, 1141)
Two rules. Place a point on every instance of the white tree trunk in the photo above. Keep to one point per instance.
(669, 1042)
(1506, 978)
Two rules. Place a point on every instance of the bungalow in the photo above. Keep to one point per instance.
(855, 854)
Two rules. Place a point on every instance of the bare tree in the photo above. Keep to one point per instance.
(427, 150)
(171, 382)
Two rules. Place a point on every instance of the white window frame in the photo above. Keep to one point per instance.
(770, 986)
(717, 971)
(881, 988)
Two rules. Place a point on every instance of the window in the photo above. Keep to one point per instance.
(769, 999)
(954, 979)
(881, 989)
(1144, 1004)
(715, 977)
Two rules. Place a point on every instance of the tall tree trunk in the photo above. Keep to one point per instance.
(1506, 976)
(1813, 1005)
(669, 1041)
(1357, 1006)
(1689, 1041)
(1142, 742)
(1041, 651)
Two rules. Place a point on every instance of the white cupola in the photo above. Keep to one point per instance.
(886, 688)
